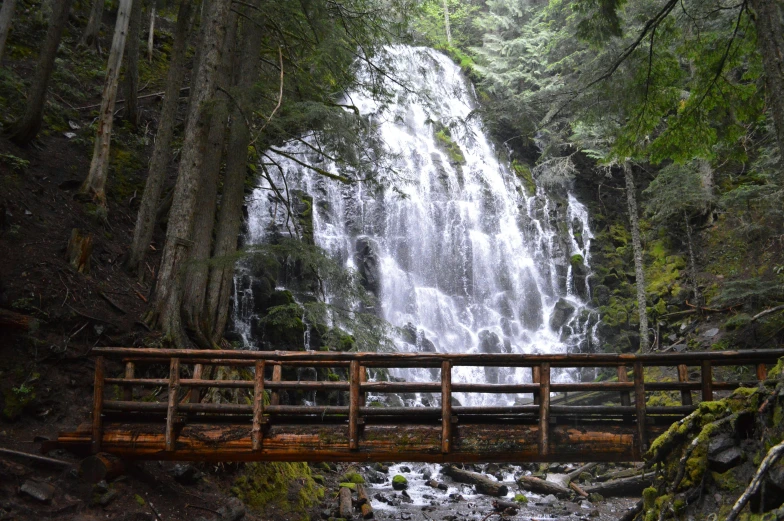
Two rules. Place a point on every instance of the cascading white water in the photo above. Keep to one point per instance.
(465, 260)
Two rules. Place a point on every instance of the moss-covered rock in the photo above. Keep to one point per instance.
(399, 482)
(285, 488)
(353, 477)
(520, 498)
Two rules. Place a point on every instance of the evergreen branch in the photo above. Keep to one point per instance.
(320, 171)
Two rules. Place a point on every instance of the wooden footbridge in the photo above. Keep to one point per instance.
(230, 406)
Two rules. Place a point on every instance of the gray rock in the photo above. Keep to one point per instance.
(233, 510)
(367, 261)
(725, 460)
(186, 474)
(720, 444)
(562, 312)
(711, 332)
(38, 490)
(549, 499)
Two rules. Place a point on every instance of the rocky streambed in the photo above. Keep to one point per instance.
(419, 492)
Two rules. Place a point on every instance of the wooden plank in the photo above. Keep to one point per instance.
(446, 406)
(762, 372)
(258, 406)
(707, 381)
(544, 409)
(639, 404)
(508, 443)
(623, 377)
(748, 357)
(276, 374)
(171, 409)
(129, 373)
(536, 378)
(97, 420)
(353, 406)
(195, 396)
(683, 377)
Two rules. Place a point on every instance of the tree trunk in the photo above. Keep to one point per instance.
(161, 156)
(447, 27)
(131, 78)
(29, 125)
(207, 199)
(230, 214)
(638, 266)
(151, 33)
(168, 290)
(95, 183)
(770, 42)
(692, 261)
(6, 16)
(483, 484)
(93, 28)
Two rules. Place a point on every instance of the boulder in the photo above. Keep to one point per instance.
(367, 261)
(399, 482)
(562, 312)
(720, 444)
(725, 460)
(38, 490)
(186, 474)
(531, 314)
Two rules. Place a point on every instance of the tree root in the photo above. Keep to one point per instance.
(770, 459)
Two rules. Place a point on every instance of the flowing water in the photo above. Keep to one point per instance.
(461, 257)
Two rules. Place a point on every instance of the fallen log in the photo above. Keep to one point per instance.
(506, 507)
(541, 486)
(100, 467)
(13, 320)
(344, 503)
(364, 502)
(625, 473)
(576, 473)
(35, 458)
(632, 486)
(574, 486)
(483, 484)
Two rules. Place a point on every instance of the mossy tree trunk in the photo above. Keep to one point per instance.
(692, 260)
(95, 184)
(631, 198)
(151, 31)
(131, 78)
(179, 237)
(447, 26)
(230, 214)
(27, 128)
(161, 155)
(6, 17)
(90, 34)
(196, 280)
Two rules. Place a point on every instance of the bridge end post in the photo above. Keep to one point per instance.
(97, 426)
(683, 377)
(353, 406)
(639, 404)
(446, 406)
(171, 409)
(256, 434)
(544, 409)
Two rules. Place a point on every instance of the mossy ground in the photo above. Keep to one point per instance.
(280, 490)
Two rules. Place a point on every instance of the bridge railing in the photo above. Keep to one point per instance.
(264, 400)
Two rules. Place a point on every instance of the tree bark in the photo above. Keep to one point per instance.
(230, 213)
(168, 290)
(207, 199)
(151, 33)
(27, 128)
(95, 183)
(6, 17)
(483, 484)
(93, 27)
(692, 261)
(541, 486)
(770, 41)
(161, 156)
(131, 78)
(631, 199)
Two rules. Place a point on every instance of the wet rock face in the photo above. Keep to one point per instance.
(561, 314)
(366, 258)
(490, 343)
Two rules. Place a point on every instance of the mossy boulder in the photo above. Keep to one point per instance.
(353, 477)
(399, 482)
(520, 498)
(288, 488)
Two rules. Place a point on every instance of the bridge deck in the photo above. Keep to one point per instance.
(257, 427)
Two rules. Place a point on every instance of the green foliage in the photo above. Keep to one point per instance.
(676, 191)
(753, 290)
(17, 164)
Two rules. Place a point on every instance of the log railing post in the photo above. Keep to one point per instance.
(544, 409)
(639, 404)
(171, 410)
(626, 399)
(277, 370)
(127, 389)
(683, 377)
(256, 434)
(97, 427)
(353, 406)
(536, 378)
(762, 372)
(198, 371)
(446, 406)
(363, 378)
(707, 381)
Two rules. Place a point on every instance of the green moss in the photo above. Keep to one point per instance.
(738, 321)
(140, 500)
(348, 485)
(523, 172)
(519, 498)
(399, 482)
(452, 149)
(288, 487)
(728, 481)
(577, 260)
(321, 480)
(649, 497)
(353, 477)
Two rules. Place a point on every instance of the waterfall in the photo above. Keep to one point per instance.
(461, 257)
